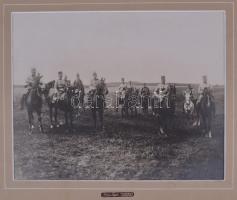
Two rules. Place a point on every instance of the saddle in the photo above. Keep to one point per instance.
(59, 95)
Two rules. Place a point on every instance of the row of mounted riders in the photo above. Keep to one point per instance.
(71, 100)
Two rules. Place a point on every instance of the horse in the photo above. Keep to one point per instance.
(33, 102)
(188, 105)
(120, 100)
(77, 101)
(97, 102)
(145, 102)
(163, 107)
(206, 112)
(64, 104)
(130, 102)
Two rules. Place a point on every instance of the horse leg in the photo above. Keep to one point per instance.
(30, 116)
(94, 117)
(51, 116)
(101, 113)
(122, 112)
(131, 111)
(66, 118)
(209, 127)
(56, 117)
(204, 126)
(126, 111)
(163, 124)
(71, 120)
(40, 121)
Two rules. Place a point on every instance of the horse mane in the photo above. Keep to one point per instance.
(50, 84)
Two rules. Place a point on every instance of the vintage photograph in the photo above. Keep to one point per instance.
(118, 95)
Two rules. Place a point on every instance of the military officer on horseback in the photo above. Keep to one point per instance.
(122, 86)
(34, 80)
(122, 89)
(93, 84)
(78, 85)
(145, 91)
(204, 86)
(67, 82)
(60, 87)
(189, 90)
(162, 91)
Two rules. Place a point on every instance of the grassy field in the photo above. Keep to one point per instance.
(127, 149)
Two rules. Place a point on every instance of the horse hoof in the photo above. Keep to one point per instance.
(209, 135)
(31, 127)
(51, 126)
(162, 131)
(58, 125)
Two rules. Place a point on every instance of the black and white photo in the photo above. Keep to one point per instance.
(118, 95)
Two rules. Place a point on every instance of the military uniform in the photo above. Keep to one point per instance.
(122, 89)
(60, 88)
(162, 91)
(79, 85)
(31, 82)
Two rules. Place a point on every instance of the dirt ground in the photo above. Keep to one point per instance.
(127, 149)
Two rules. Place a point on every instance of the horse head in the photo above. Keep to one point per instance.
(187, 97)
(47, 87)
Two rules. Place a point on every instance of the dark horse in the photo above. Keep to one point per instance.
(206, 112)
(97, 102)
(130, 102)
(64, 105)
(163, 107)
(122, 100)
(145, 102)
(33, 101)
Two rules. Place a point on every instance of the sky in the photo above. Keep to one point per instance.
(139, 46)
